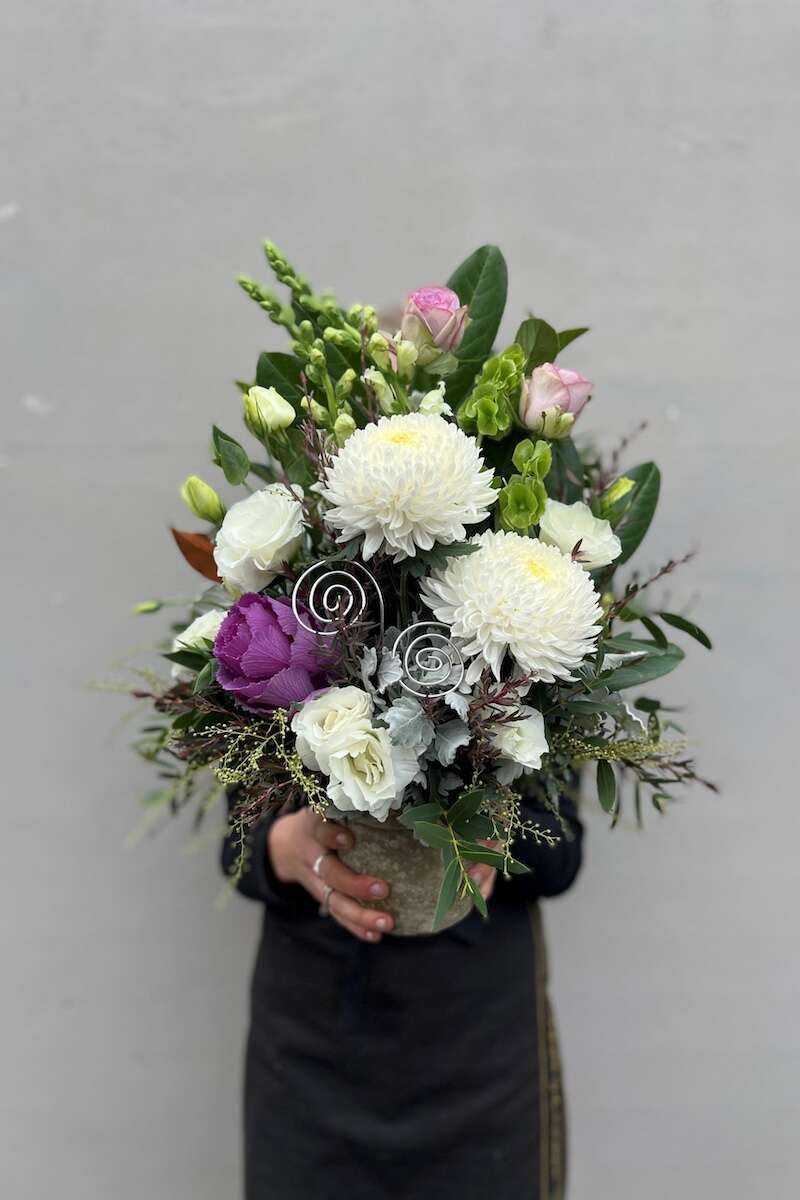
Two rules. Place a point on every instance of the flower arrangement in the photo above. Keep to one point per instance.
(414, 611)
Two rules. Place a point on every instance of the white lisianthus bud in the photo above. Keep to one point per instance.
(258, 534)
(433, 402)
(202, 500)
(202, 629)
(566, 525)
(521, 744)
(382, 389)
(266, 411)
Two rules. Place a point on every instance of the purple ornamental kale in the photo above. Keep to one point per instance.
(266, 659)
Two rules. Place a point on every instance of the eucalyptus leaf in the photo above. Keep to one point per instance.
(687, 626)
(448, 892)
(420, 812)
(606, 786)
(652, 666)
(433, 835)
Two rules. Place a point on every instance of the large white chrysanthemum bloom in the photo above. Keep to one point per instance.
(518, 595)
(407, 482)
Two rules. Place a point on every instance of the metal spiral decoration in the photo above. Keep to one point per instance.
(432, 663)
(333, 594)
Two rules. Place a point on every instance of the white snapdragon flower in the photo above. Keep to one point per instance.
(257, 535)
(521, 744)
(433, 402)
(204, 627)
(564, 525)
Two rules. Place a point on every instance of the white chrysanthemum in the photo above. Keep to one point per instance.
(407, 482)
(516, 594)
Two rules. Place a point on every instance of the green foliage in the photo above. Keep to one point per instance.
(565, 481)
(230, 455)
(606, 786)
(539, 342)
(281, 371)
(481, 281)
(687, 626)
(491, 408)
(656, 661)
(641, 505)
(569, 335)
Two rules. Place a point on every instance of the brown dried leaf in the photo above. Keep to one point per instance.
(198, 551)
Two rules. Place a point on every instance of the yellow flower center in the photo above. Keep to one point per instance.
(538, 569)
(402, 437)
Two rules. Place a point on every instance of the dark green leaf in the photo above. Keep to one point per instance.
(565, 336)
(477, 897)
(539, 342)
(263, 472)
(639, 513)
(655, 631)
(447, 892)
(687, 626)
(229, 455)
(481, 282)
(419, 812)
(193, 659)
(281, 371)
(606, 786)
(655, 664)
(565, 479)
(206, 677)
(433, 835)
(466, 806)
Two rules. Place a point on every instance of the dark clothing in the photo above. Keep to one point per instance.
(421, 1068)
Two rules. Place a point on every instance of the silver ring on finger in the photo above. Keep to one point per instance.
(325, 903)
(318, 861)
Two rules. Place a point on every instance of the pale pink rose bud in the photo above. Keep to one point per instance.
(550, 393)
(434, 320)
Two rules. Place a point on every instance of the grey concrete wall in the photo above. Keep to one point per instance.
(637, 163)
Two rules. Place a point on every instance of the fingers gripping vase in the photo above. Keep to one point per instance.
(414, 873)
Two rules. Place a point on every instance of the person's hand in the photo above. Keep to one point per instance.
(295, 843)
(485, 877)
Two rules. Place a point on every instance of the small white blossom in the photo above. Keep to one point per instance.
(521, 744)
(564, 525)
(257, 535)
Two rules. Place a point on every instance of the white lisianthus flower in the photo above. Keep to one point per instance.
(433, 402)
(257, 535)
(330, 724)
(517, 595)
(564, 525)
(521, 744)
(206, 626)
(407, 483)
(371, 775)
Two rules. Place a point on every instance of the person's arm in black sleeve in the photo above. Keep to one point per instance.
(257, 880)
(552, 867)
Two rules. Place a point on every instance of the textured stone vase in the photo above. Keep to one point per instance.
(414, 871)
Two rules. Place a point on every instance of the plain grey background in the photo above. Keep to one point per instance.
(637, 164)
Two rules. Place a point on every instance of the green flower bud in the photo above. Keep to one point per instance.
(378, 350)
(556, 424)
(320, 414)
(407, 354)
(383, 393)
(266, 411)
(343, 427)
(147, 606)
(202, 500)
(344, 385)
(345, 338)
(608, 505)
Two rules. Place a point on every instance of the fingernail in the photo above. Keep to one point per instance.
(373, 937)
(377, 889)
(382, 923)
(342, 839)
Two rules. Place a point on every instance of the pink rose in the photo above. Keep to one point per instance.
(434, 320)
(552, 399)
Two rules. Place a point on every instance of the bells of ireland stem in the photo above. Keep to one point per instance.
(202, 500)
(266, 412)
(491, 407)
